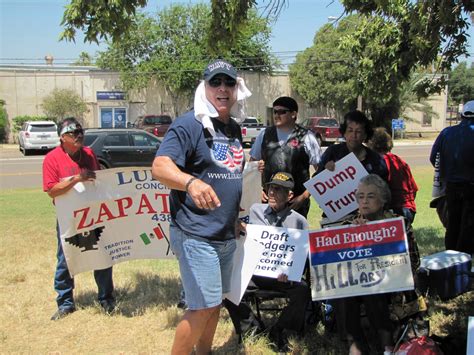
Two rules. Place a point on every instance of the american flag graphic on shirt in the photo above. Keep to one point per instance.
(228, 156)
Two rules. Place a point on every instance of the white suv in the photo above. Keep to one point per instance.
(41, 135)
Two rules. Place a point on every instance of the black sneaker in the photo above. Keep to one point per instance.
(108, 306)
(62, 312)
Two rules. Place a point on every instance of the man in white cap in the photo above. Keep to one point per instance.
(455, 146)
(201, 160)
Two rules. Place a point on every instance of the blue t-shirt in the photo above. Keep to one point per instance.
(219, 162)
(456, 146)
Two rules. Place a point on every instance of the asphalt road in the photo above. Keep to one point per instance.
(18, 171)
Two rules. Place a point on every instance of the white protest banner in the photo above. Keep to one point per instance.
(246, 257)
(123, 215)
(358, 260)
(286, 250)
(334, 191)
(252, 189)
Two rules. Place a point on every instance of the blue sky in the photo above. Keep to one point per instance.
(29, 29)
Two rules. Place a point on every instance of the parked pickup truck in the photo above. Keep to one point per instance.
(326, 129)
(250, 130)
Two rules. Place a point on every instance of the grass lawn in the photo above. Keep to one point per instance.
(147, 292)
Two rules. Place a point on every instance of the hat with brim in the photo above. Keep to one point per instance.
(282, 179)
(219, 67)
(468, 109)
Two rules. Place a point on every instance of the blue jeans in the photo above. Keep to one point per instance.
(64, 283)
(205, 267)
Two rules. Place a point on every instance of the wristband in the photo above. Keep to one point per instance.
(190, 181)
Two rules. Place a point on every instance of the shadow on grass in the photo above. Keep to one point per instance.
(231, 346)
(457, 311)
(146, 291)
(430, 239)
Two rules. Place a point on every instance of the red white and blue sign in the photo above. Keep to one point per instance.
(360, 259)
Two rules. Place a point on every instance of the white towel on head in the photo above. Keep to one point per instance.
(204, 110)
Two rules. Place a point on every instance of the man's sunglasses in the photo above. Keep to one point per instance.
(228, 82)
(280, 112)
(76, 132)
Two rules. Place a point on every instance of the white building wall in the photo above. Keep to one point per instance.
(24, 87)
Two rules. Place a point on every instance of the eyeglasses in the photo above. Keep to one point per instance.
(76, 132)
(228, 82)
(280, 112)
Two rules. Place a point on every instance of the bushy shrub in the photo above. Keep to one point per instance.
(19, 120)
(3, 120)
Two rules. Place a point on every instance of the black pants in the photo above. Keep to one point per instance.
(292, 316)
(348, 319)
(460, 229)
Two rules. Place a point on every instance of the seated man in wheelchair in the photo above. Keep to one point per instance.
(276, 213)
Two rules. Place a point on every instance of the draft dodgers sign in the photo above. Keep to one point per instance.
(359, 260)
(334, 191)
(285, 250)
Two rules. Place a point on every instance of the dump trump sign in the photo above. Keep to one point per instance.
(334, 191)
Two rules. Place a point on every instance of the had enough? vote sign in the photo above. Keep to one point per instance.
(358, 260)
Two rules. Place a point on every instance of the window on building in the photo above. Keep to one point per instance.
(426, 120)
(113, 117)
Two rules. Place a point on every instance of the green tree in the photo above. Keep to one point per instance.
(61, 103)
(113, 19)
(3, 120)
(410, 101)
(84, 59)
(461, 84)
(99, 19)
(173, 50)
(323, 74)
(397, 39)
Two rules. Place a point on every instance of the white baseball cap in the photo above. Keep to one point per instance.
(468, 109)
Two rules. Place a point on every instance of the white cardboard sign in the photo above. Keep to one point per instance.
(285, 250)
(246, 257)
(334, 191)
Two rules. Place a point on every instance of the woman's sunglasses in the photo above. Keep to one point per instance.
(228, 82)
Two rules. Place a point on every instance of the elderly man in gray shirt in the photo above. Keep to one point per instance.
(279, 214)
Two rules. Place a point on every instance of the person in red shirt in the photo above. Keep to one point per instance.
(64, 167)
(400, 179)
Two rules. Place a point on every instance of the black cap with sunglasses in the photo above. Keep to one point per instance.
(288, 102)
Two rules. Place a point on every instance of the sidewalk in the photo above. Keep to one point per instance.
(8, 146)
(421, 141)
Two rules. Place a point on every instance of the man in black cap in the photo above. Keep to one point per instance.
(276, 213)
(201, 160)
(287, 147)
